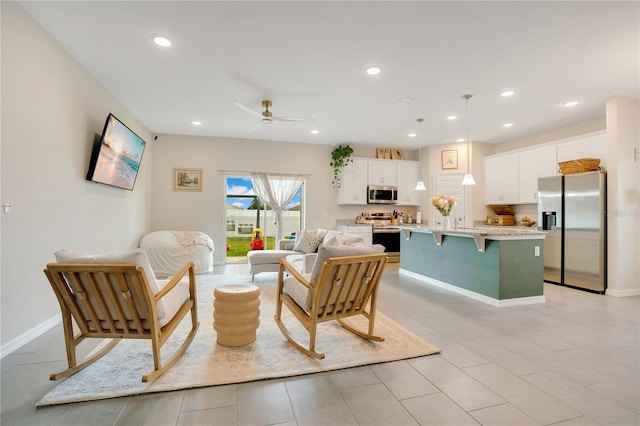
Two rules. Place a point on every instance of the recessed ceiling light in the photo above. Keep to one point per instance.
(507, 93)
(314, 131)
(196, 123)
(162, 41)
(507, 125)
(460, 140)
(373, 70)
(412, 135)
(570, 104)
(452, 117)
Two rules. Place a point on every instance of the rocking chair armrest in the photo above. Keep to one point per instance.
(176, 279)
(284, 264)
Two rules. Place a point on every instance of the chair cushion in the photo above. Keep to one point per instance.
(297, 291)
(135, 256)
(325, 252)
(173, 300)
(308, 242)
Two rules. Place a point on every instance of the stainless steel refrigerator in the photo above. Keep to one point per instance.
(572, 208)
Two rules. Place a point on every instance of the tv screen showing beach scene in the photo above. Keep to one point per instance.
(116, 158)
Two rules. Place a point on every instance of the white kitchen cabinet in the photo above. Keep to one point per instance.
(364, 231)
(382, 172)
(501, 179)
(591, 146)
(353, 189)
(408, 174)
(533, 164)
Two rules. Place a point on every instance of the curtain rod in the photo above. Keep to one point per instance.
(244, 172)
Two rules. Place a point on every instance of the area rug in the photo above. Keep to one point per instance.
(206, 363)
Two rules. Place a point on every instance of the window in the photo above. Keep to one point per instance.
(245, 212)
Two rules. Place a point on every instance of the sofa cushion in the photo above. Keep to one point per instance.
(135, 256)
(264, 257)
(308, 242)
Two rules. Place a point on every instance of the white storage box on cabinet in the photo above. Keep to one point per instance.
(353, 189)
(501, 179)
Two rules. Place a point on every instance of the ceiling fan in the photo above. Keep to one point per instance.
(266, 117)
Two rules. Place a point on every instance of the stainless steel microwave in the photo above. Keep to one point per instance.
(382, 194)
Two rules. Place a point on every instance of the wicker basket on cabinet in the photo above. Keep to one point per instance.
(580, 165)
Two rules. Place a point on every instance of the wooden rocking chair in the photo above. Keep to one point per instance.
(343, 287)
(119, 301)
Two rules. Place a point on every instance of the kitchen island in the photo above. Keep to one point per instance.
(501, 266)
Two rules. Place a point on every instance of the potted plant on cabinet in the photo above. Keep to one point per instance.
(340, 157)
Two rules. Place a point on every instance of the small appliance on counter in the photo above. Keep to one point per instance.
(503, 216)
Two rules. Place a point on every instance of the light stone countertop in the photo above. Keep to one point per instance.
(489, 231)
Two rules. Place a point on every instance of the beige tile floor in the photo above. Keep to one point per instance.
(574, 360)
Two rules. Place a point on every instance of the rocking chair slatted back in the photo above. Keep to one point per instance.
(106, 302)
(346, 286)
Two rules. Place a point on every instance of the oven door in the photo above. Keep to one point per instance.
(389, 238)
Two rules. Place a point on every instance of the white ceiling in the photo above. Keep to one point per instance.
(309, 59)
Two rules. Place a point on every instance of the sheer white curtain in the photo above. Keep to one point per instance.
(276, 190)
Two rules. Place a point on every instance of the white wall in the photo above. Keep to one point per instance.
(205, 211)
(623, 196)
(51, 109)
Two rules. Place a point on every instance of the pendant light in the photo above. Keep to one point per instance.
(468, 178)
(420, 185)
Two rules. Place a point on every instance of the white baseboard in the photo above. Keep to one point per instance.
(30, 335)
(622, 293)
(477, 296)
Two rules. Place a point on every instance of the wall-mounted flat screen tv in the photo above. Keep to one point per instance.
(116, 156)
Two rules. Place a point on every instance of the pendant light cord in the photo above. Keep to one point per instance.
(466, 98)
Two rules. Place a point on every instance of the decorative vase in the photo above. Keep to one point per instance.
(446, 224)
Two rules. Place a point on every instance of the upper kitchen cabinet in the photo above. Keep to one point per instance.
(501, 179)
(533, 164)
(382, 172)
(353, 189)
(408, 174)
(592, 146)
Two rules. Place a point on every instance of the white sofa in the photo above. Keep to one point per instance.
(269, 260)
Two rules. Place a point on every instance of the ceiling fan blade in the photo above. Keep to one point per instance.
(255, 128)
(294, 119)
(246, 108)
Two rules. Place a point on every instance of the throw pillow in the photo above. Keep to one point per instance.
(308, 242)
(336, 240)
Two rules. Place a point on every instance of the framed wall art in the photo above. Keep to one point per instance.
(187, 180)
(450, 159)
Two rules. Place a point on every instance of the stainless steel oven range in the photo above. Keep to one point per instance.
(384, 234)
